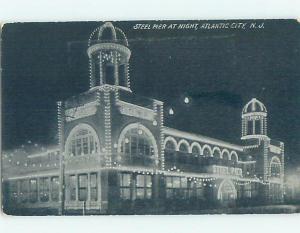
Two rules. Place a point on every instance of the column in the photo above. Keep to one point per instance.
(156, 190)
(107, 127)
(89, 187)
(38, 189)
(242, 127)
(265, 125)
(77, 189)
(104, 190)
(246, 126)
(60, 129)
(133, 190)
(18, 190)
(99, 198)
(100, 69)
(50, 189)
(92, 72)
(127, 75)
(116, 71)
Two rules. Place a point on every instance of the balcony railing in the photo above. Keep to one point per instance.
(145, 161)
(199, 164)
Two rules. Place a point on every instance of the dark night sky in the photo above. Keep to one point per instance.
(220, 70)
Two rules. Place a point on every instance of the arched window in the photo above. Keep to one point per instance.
(275, 167)
(258, 127)
(226, 155)
(137, 145)
(170, 146)
(96, 69)
(82, 140)
(234, 157)
(183, 153)
(250, 127)
(195, 151)
(170, 152)
(206, 151)
(183, 148)
(109, 74)
(122, 75)
(217, 153)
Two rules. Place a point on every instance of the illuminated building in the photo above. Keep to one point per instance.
(115, 155)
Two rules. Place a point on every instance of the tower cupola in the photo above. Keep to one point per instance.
(109, 57)
(254, 120)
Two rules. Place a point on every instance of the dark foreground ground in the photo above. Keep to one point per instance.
(270, 209)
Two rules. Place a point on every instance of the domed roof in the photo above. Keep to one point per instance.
(254, 105)
(108, 33)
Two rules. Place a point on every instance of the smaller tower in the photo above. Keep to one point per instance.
(108, 57)
(254, 120)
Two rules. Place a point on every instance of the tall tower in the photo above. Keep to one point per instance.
(254, 120)
(109, 57)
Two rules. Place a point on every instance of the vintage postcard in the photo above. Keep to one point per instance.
(150, 117)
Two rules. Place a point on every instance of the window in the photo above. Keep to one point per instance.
(170, 151)
(169, 187)
(13, 190)
(72, 186)
(96, 69)
(82, 187)
(44, 189)
(143, 187)
(250, 127)
(195, 189)
(85, 145)
(33, 190)
(194, 159)
(234, 158)
(254, 191)
(217, 154)
(122, 75)
(226, 156)
(196, 151)
(247, 190)
(206, 152)
(125, 182)
(257, 127)
(183, 154)
(134, 145)
(275, 192)
(275, 169)
(93, 187)
(82, 142)
(79, 146)
(184, 187)
(148, 187)
(24, 190)
(55, 188)
(137, 147)
(72, 150)
(109, 74)
(177, 187)
(140, 184)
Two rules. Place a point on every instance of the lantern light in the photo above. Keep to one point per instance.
(186, 100)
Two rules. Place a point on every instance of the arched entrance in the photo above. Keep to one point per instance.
(227, 193)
